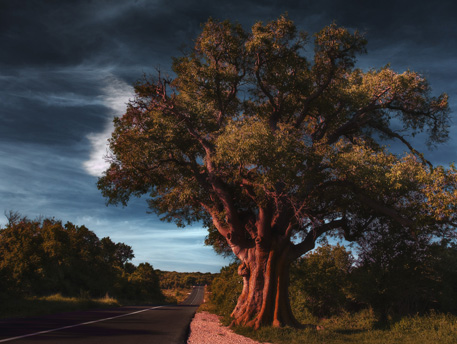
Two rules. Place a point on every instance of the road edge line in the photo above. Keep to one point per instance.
(76, 325)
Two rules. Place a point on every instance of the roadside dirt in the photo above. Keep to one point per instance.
(206, 328)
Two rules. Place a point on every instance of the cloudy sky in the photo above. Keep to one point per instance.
(66, 69)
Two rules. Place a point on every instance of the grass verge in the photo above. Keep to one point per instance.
(32, 306)
(361, 328)
(176, 295)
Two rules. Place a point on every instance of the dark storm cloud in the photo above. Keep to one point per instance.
(66, 67)
(44, 108)
(147, 33)
(44, 33)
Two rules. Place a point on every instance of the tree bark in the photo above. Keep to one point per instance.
(265, 297)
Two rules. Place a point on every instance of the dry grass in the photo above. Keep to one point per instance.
(31, 306)
(176, 295)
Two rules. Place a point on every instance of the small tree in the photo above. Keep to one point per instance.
(263, 146)
(402, 273)
(321, 280)
(144, 284)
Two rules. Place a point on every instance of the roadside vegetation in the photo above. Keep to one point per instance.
(176, 286)
(48, 266)
(27, 306)
(360, 328)
(395, 296)
(183, 280)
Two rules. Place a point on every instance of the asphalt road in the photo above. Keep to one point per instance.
(135, 324)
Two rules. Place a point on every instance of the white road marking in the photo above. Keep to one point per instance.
(86, 323)
(195, 296)
(76, 325)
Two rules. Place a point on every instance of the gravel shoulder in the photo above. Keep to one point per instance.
(206, 328)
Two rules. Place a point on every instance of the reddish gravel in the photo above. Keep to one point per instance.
(206, 328)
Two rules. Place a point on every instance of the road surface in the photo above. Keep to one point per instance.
(134, 324)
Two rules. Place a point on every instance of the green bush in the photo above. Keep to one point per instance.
(320, 282)
(400, 274)
(144, 284)
(225, 290)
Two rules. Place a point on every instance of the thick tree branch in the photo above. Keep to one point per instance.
(316, 94)
(359, 118)
(285, 217)
(370, 202)
(215, 218)
(310, 240)
(263, 225)
(386, 210)
(321, 129)
(237, 242)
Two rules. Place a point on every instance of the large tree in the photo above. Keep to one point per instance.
(271, 149)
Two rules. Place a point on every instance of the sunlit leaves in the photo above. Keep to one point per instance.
(249, 144)
(335, 50)
(249, 121)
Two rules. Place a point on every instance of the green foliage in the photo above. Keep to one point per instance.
(402, 273)
(320, 282)
(43, 257)
(143, 283)
(41, 305)
(343, 327)
(394, 275)
(445, 265)
(250, 122)
(225, 290)
(183, 280)
(360, 328)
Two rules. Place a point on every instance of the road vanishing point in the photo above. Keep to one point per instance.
(167, 324)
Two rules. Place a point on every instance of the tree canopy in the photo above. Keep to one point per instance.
(43, 256)
(271, 149)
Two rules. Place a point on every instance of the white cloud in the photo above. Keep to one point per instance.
(116, 94)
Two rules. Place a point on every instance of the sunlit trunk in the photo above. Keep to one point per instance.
(265, 299)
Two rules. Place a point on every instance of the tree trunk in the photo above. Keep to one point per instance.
(265, 297)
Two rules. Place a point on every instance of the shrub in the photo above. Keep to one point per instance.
(225, 290)
(320, 282)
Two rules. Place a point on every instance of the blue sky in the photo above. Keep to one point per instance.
(66, 69)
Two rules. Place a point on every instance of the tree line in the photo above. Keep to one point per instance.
(182, 280)
(44, 256)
